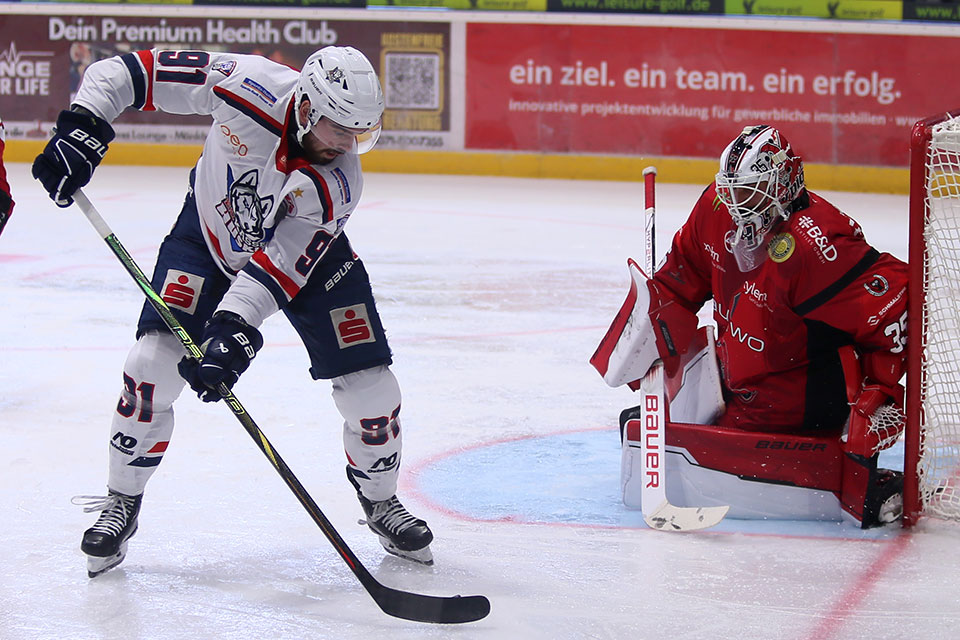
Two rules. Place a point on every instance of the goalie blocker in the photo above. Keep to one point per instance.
(759, 475)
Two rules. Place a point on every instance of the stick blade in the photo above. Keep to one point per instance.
(435, 609)
(667, 517)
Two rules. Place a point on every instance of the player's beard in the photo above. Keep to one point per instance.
(320, 155)
(326, 156)
(316, 152)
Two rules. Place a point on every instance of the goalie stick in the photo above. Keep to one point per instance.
(400, 604)
(658, 513)
(649, 220)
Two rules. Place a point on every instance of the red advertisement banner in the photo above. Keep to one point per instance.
(841, 98)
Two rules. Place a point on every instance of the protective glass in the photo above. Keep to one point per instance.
(334, 136)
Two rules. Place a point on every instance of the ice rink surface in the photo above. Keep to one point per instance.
(494, 292)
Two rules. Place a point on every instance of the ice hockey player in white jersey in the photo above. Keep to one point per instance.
(261, 231)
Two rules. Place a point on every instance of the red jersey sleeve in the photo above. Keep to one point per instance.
(686, 272)
(6, 202)
(847, 284)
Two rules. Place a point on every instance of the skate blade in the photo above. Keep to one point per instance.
(891, 510)
(421, 556)
(96, 566)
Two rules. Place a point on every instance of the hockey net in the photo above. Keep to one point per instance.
(932, 458)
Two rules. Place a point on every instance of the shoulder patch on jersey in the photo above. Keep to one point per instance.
(811, 232)
(781, 247)
(342, 185)
(877, 285)
(259, 90)
(226, 67)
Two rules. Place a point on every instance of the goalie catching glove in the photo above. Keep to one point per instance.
(229, 344)
(78, 144)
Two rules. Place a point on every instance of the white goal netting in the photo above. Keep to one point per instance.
(939, 464)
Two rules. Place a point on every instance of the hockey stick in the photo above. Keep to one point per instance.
(657, 511)
(649, 219)
(400, 604)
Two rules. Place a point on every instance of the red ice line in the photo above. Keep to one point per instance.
(831, 622)
(859, 590)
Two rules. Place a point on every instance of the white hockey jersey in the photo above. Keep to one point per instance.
(263, 213)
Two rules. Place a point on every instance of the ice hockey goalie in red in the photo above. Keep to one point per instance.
(6, 202)
(811, 326)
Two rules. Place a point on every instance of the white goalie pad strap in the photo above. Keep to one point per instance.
(694, 394)
(629, 348)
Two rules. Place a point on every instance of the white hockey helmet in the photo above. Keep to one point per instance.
(341, 85)
(760, 177)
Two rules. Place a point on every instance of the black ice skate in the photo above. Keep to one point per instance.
(105, 543)
(400, 533)
(884, 501)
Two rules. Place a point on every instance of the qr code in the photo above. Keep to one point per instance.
(413, 81)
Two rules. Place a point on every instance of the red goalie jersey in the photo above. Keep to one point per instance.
(820, 287)
(6, 203)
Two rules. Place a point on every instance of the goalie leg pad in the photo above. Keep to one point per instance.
(758, 474)
(694, 392)
(369, 401)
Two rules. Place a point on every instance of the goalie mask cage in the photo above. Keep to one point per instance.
(932, 445)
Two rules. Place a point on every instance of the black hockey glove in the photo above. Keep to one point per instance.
(229, 344)
(79, 141)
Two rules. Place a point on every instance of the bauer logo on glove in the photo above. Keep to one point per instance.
(89, 141)
(67, 163)
(229, 344)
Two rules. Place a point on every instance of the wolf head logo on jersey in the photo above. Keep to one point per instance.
(244, 210)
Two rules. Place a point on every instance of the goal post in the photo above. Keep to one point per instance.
(932, 441)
